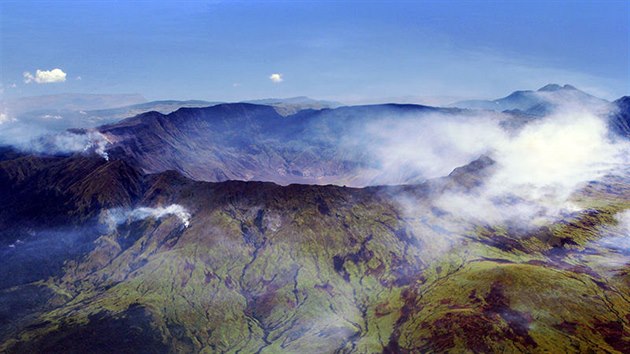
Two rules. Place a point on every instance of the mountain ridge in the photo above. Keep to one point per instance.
(250, 142)
(131, 250)
(539, 102)
(303, 267)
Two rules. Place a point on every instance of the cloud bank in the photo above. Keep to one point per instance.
(45, 76)
(423, 147)
(537, 169)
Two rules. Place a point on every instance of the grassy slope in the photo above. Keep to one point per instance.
(300, 269)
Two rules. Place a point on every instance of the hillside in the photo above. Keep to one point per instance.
(266, 268)
(254, 142)
(412, 229)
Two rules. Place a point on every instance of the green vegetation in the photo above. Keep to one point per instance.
(297, 269)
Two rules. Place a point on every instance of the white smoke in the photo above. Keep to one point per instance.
(614, 246)
(623, 222)
(564, 149)
(429, 146)
(69, 142)
(619, 237)
(537, 168)
(38, 136)
(117, 216)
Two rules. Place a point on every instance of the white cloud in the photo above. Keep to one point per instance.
(539, 169)
(615, 238)
(623, 220)
(68, 142)
(51, 116)
(4, 118)
(429, 146)
(276, 78)
(45, 76)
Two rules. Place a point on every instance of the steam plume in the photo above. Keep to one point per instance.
(538, 166)
(115, 217)
(69, 142)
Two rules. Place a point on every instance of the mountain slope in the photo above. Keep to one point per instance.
(292, 105)
(537, 103)
(620, 119)
(57, 113)
(266, 268)
(154, 247)
(255, 142)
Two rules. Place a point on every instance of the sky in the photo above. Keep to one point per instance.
(428, 52)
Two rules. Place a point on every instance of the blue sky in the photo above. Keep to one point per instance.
(352, 51)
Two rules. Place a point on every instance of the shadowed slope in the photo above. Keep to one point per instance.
(253, 142)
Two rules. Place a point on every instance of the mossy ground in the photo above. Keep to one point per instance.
(305, 269)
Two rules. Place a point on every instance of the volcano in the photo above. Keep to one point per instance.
(248, 228)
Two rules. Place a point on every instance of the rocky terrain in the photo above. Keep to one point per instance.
(189, 237)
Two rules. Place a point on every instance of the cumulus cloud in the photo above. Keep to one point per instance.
(117, 216)
(45, 76)
(276, 78)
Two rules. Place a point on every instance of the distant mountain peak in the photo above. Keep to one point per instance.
(297, 100)
(539, 102)
(623, 100)
(550, 87)
(556, 87)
